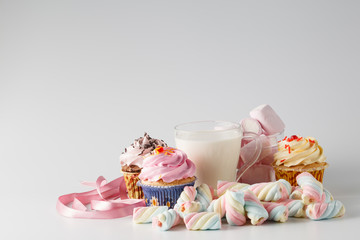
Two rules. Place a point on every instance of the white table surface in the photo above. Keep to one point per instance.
(34, 216)
(81, 79)
(40, 220)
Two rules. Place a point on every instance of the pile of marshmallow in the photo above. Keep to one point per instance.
(266, 123)
(237, 202)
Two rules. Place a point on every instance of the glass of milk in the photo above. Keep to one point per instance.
(214, 147)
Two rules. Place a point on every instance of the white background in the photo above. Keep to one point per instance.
(80, 80)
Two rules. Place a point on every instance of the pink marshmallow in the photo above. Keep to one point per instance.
(269, 120)
(267, 155)
(247, 151)
(251, 125)
(268, 160)
(258, 173)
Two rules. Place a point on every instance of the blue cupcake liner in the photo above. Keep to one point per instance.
(163, 195)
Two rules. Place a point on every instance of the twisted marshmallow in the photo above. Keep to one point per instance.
(218, 206)
(204, 196)
(166, 220)
(323, 210)
(146, 214)
(328, 196)
(255, 211)
(222, 186)
(296, 193)
(202, 221)
(235, 213)
(272, 191)
(187, 195)
(277, 212)
(312, 188)
(188, 207)
(296, 207)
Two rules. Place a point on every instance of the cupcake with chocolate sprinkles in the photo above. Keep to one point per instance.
(131, 161)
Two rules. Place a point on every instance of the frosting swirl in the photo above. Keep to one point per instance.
(297, 150)
(133, 155)
(167, 164)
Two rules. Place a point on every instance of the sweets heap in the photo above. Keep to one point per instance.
(237, 202)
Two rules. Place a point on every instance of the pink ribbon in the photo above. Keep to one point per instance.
(108, 200)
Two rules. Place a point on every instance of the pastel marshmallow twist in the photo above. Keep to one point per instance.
(166, 220)
(312, 188)
(187, 195)
(296, 207)
(323, 210)
(222, 186)
(218, 206)
(277, 212)
(204, 196)
(271, 191)
(188, 207)
(202, 221)
(146, 214)
(296, 193)
(328, 197)
(234, 208)
(255, 211)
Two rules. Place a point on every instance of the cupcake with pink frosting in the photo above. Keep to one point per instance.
(164, 175)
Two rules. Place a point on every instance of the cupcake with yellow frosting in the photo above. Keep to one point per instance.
(296, 155)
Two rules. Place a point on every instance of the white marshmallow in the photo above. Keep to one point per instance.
(269, 120)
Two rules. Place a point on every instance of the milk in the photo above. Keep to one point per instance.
(215, 158)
